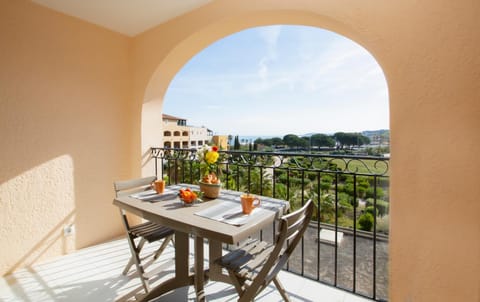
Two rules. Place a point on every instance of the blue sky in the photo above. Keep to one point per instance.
(276, 80)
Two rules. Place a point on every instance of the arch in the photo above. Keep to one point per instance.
(200, 37)
(167, 133)
(421, 99)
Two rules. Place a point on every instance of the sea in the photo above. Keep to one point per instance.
(244, 139)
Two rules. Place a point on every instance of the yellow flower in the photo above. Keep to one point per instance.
(211, 157)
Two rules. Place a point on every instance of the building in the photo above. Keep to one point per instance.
(221, 141)
(177, 134)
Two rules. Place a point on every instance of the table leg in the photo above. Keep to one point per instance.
(182, 277)
(181, 255)
(215, 270)
(199, 273)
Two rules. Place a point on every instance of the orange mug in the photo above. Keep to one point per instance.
(248, 203)
(159, 186)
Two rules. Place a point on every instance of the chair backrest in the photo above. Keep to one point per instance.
(123, 187)
(291, 229)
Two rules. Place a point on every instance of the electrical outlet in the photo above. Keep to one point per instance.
(68, 230)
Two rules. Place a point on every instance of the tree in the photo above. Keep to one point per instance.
(267, 142)
(350, 140)
(236, 144)
(293, 140)
(364, 140)
(277, 141)
(259, 141)
(322, 140)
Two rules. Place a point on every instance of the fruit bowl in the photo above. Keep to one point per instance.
(188, 197)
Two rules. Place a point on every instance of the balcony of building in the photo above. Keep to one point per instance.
(81, 106)
(337, 249)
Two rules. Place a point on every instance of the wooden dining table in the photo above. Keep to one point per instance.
(201, 220)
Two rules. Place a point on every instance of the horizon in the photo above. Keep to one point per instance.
(304, 134)
(290, 79)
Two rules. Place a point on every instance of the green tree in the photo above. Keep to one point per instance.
(350, 140)
(290, 140)
(322, 140)
(236, 144)
(294, 141)
(277, 141)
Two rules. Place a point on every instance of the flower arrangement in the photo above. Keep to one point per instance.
(208, 157)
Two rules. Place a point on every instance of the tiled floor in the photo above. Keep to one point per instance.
(94, 274)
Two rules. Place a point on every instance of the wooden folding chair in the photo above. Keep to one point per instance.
(146, 232)
(253, 266)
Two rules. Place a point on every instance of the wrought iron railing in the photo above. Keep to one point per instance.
(352, 206)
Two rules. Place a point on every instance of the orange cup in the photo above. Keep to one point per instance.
(159, 186)
(248, 203)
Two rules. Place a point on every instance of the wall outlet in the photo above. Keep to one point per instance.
(68, 230)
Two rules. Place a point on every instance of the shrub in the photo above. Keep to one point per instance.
(370, 193)
(311, 175)
(382, 206)
(345, 203)
(365, 222)
(370, 210)
(326, 182)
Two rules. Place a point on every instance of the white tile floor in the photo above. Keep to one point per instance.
(94, 274)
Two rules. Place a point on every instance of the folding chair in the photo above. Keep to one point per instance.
(147, 231)
(253, 266)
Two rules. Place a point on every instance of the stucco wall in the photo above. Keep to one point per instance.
(64, 129)
(80, 107)
(429, 53)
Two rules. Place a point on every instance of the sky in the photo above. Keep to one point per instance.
(278, 80)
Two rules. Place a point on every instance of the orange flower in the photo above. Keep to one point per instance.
(214, 148)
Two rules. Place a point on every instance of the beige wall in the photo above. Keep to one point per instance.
(65, 132)
(68, 127)
(429, 53)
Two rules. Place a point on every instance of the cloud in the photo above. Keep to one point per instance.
(269, 36)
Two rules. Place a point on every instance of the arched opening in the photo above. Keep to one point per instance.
(160, 98)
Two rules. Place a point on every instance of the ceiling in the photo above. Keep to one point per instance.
(129, 17)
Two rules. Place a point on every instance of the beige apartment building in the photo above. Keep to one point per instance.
(177, 134)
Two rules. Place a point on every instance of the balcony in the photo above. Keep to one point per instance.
(94, 274)
(79, 101)
(337, 249)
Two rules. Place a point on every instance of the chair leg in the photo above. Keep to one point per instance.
(162, 247)
(136, 259)
(281, 289)
(132, 261)
(236, 282)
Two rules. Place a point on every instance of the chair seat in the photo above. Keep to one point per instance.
(150, 231)
(254, 265)
(247, 260)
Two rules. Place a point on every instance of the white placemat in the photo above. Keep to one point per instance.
(230, 212)
(151, 195)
